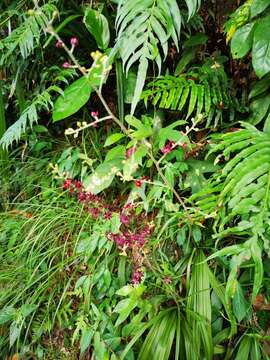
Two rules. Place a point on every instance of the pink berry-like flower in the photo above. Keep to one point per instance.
(66, 65)
(108, 215)
(124, 219)
(138, 183)
(77, 184)
(94, 212)
(67, 184)
(74, 41)
(59, 44)
(81, 196)
(94, 113)
(130, 152)
(184, 146)
(168, 147)
(137, 276)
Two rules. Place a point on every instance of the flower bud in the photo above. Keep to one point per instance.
(74, 41)
(66, 65)
(59, 44)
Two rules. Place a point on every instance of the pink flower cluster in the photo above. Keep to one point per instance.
(92, 203)
(171, 145)
(168, 147)
(129, 238)
(137, 275)
(74, 41)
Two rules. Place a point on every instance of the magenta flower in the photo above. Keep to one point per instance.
(66, 65)
(168, 147)
(81, 196)
(108, 215)
(94, 113)
(130, 152)
(67, 184)
(137, 276)
(94, 212)
(138, 183)
(74, 41)
(59, 44)
(77, 184)
(124, 219)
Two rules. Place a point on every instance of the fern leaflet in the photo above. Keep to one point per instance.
(27, 35)
(28, 117)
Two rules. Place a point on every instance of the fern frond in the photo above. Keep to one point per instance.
(142, 26)
(239, 200)
(28, 117)
(196, 93)
(26, 36)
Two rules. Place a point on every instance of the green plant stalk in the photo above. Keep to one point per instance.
(3, 153)
(120, 88)
(3, 126)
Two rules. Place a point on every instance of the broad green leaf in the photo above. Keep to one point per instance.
(97, 25)
(102, 177)
(117, 154)
(242, 41)
(27, 309)
(125, 290)
(124, 308)
(196, 233)
(192, 7)
(259, 108)
(132, 163)
(86, 338)
(99, 348)
(240, 304)
(75, 96)
(131, 120)
(266, 127)
(244, 348)
(129, 86)
(260, 87)
(113, 139)
(258, 6)
(198, 39)
(261, 47)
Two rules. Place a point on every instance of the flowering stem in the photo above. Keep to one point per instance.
(179, 142)
(83, 70)
(93, 123)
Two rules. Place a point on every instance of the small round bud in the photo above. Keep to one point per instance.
(59, 44)
(94, 113)
(66, 65)
(74, 41)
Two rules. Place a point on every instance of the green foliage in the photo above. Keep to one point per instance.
(249, 34)
(27, 36)
(74, 97)
(136, 237)
(205, 91)
(97, 25)
(29, 116)
(141, 27)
